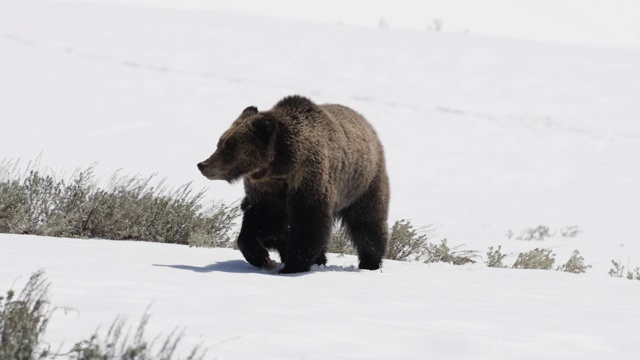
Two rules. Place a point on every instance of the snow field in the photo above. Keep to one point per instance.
(482, 136)
(407, 310)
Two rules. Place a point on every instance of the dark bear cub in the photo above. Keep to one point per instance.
(304, 166)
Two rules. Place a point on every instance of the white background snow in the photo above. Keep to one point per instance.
(483, 134)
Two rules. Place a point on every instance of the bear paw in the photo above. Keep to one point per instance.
(292, 269)
(270, 264)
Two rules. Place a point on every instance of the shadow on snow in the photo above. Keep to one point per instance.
(242, 267)
(230, 266)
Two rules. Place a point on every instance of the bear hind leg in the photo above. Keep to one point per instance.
(370, 241)
(321, 260)
(310, 230)
(366, 223)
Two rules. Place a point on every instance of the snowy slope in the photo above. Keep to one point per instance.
(482, 136)
(406, 311)
(587, 22)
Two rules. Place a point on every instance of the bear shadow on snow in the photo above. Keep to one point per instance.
(304, 166)
(229, 266)
(241, 267)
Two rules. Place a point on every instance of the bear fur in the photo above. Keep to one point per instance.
(305, 166)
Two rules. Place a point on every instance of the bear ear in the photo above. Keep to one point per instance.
(251, 110)
(264, 126)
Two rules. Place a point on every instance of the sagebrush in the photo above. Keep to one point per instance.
(495, 257)
(545, 259)
(38, 202)
(543, 232)
(23, 320)
(575, 264)
(340, 241)
(535, 259)
(120, 344)
(407, 243)
(127, 208)
(619, 270)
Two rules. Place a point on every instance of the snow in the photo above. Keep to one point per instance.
(407, 310)
(613, 23)
(482, 135)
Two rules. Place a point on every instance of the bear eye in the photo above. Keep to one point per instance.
(266, 126)
(228, 148)
(263, 127)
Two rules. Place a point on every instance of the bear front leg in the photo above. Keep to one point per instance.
(253, 251)
(278, 243)
(310, 222)
(250, 247)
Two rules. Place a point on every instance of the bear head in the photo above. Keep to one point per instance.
(247, 148)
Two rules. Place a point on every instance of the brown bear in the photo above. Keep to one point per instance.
(305, 166)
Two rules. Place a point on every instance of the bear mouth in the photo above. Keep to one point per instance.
(260, 174)
(213, 175)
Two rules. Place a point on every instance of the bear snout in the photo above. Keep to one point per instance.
(207, 170)
(211, 170)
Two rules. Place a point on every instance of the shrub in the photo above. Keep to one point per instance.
(575, 264)
(495, 257)
(340, 241)
(535, 259)
(118, 345)
(129, 208)
(541, 232)
(406, 242)
(538, 233)
(23, 320)
(570, 231)
(443, 253)
(619, 271)
(214, 227)
(436, 24)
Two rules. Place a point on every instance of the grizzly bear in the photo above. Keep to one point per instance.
(304, 166)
